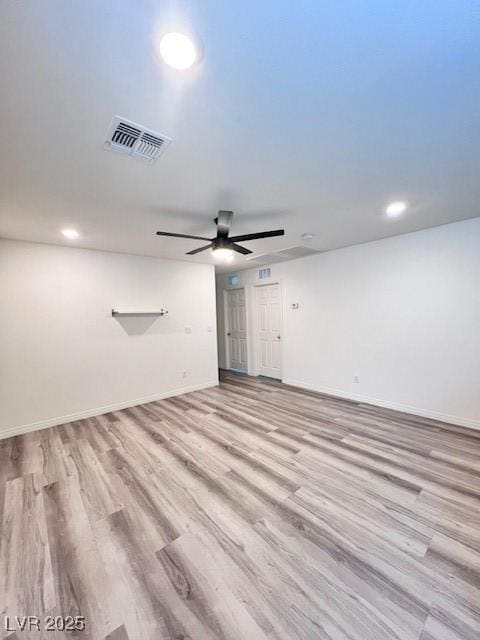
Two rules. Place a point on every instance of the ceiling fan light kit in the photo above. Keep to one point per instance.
(223, 245)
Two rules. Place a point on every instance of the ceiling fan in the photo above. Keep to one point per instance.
(222, 244)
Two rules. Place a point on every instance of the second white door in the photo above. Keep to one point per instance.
(236, 330)
(268, 330)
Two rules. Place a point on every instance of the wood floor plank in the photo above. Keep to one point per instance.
(100, 496)
(251, 510)
(26, 575)
(80, 578)
(119, 634)
(191, 568)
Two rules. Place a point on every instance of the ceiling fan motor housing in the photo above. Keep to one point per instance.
(221, 243)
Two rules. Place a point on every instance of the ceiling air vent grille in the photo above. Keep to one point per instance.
(149, 146)
(291, 253)
(125, 135)
(134, 140)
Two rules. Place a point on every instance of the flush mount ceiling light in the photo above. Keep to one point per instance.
(71, 234)
(396, 209)
(178, 50)
(226, 255)
(307, 236)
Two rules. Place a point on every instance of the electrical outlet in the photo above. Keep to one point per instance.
(188, 329)
(356, 379)
(184, 373)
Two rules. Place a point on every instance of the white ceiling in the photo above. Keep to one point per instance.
(307, 115)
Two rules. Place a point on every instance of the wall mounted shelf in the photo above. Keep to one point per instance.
(118, 312)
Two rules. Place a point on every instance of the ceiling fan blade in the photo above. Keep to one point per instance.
(224, 221)
(239, 249)
(261, 234)
(180, 235)
(194, 251)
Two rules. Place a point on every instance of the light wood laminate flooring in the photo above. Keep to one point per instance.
(249, 511)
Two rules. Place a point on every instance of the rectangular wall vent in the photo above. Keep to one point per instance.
(134, 140)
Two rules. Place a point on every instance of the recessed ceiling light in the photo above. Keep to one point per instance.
(71, 234)
(223, 254)
(178, 50)
(395, 209)
(307, 236)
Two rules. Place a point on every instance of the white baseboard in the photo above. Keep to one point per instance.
(355, 397)
(89, 413)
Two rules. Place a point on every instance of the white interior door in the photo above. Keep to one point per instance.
(237, 329)
(269, 334)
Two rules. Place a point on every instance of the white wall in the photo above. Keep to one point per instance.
(63, 356)
(402, 314)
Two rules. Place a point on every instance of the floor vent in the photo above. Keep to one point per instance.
(132, 139)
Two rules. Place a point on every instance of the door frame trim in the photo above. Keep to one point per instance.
(254, 341)
(226, 320)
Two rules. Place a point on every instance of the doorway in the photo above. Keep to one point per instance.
(236, 339)
(268, 330)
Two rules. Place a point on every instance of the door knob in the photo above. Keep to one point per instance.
(279, 337)
(228, 333)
